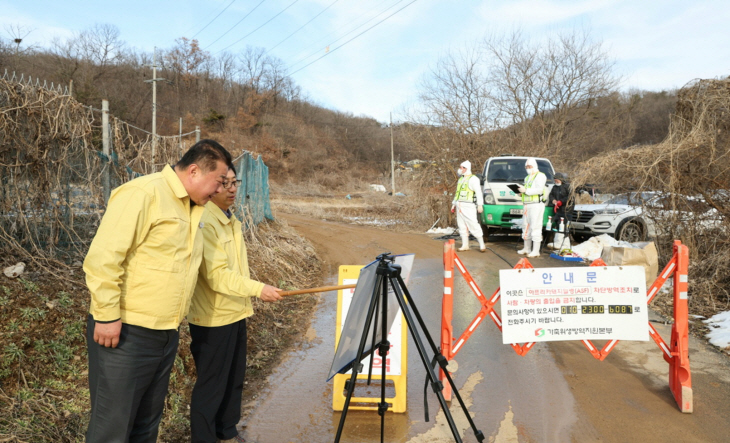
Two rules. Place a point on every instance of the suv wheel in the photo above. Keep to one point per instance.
(632, 231)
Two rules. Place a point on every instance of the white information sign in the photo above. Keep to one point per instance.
(553, 304)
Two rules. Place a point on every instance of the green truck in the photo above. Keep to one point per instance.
(502, 207)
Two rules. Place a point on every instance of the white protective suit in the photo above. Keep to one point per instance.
(466, 205)
(533, 210)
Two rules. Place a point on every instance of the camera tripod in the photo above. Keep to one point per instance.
(389, 273)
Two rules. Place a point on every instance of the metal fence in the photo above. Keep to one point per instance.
(59, 160)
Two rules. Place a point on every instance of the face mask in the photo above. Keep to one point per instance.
(557, 184)
(528, 170)
(460, 172)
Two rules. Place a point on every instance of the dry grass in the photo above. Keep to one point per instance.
(51, 192)
(277, 256)
(43, 384)
(694, 160)
(352, 201)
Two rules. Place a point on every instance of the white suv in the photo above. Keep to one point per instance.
(619, 217)
(637, 216)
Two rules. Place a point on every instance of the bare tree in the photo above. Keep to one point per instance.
(253, 65)
(540, 91)
(87, 57)
(456, 94)
(186, 60)
(17, 34)
(101, 45)
(512, 94)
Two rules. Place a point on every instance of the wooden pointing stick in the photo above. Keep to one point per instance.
(312, 290)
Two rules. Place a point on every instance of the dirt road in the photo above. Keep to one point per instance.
(556, 393)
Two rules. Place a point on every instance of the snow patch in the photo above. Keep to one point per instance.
(441, 231)
(719, 334)
(370, 221)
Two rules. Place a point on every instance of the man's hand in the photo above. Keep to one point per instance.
(521, 189)
(270, 294)
(480, 209)
(453, 208)
(107, 334)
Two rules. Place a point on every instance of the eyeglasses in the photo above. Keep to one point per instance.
(228, 185)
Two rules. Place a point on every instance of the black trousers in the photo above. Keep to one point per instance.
(220, 361)
(128, 384)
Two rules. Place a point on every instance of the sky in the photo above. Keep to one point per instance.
(369, 57)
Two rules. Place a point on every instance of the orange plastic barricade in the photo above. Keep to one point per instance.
(676, 353)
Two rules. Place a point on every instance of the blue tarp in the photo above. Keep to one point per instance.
(252, 199)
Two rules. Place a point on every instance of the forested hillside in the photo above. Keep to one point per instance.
(244, 100)
(470, 106)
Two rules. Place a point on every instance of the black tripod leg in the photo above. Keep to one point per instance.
(383, 352)
(477, 432)
(356, 363)
(372, 342)
(435, 383)
(437, 353)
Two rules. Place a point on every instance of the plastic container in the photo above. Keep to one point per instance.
(565, 258)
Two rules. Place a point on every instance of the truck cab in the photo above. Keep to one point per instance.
(502, 207)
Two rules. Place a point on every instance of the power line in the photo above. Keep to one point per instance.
(264, 24)
(303, 59)
(219, 14)
(358, 35)
(195, 26)
(316, 43)
(237, 23)
(300, 28)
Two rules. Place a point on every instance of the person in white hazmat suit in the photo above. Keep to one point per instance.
(534, 195)
(468, 201)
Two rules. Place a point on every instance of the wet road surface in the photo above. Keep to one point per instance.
(556, 393)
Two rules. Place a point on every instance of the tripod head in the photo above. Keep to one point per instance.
(387, 266)
(385, 256)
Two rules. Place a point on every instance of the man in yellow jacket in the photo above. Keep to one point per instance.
(220, 306)
(141, 270)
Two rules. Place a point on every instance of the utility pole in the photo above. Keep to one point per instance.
(154, 106)
(181, 146)
(17, 41)
(106, 186)
(392, 159)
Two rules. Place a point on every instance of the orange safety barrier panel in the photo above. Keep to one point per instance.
(676, 353)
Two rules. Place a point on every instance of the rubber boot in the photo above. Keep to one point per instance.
(464, 243)
(527, 248)
(536, 243)
(482, 248)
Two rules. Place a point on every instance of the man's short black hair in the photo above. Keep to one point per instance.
(205, 154)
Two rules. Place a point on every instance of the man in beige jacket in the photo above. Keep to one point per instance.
(218, 312)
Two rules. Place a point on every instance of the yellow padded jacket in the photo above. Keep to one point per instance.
(143, 262)
(224, 290)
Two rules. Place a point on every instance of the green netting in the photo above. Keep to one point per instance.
(252, 199)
